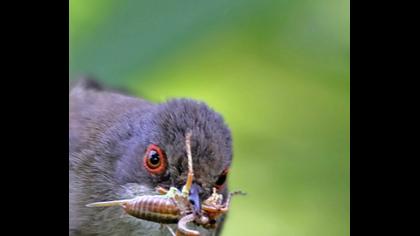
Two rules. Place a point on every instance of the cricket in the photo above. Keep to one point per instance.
(173, 207)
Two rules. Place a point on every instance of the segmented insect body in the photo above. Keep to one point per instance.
(153, 208)
(173, 208)
(157, 208)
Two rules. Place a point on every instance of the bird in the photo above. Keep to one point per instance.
(122, 146)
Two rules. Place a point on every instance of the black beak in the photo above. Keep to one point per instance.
(194, 198)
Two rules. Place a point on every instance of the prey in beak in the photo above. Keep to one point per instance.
(175, 206)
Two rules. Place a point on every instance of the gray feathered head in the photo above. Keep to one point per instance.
(121, 146)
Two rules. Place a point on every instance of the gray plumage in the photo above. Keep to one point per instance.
(109, 135)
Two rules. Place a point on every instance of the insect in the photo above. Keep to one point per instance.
(173, 206)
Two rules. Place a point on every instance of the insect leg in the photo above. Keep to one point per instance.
(161, 190)
(182, 226)
(170, 230)
(225, 208)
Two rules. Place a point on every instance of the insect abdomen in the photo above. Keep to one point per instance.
(153, 208)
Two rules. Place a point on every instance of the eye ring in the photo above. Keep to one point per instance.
(154, 160)
(220, 182)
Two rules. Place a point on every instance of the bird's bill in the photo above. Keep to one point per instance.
(194, 198)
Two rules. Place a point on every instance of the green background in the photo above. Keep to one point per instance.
(278, 71)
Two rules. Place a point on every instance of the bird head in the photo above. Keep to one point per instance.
(157, 153)
(123, 147)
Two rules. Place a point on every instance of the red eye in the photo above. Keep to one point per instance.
(154, 161)
(222, 179)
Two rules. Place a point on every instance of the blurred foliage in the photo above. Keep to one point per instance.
(278, 71)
